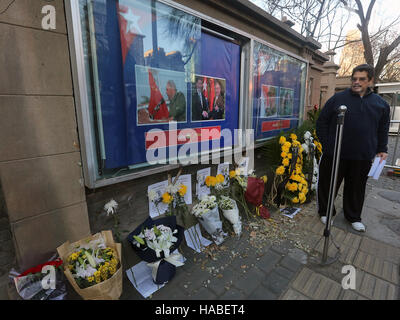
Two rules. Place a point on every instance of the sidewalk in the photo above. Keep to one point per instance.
(274, 258)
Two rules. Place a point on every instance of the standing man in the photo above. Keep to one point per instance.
(177, 102)
(218, 103)
(365, 135)
(199, 102)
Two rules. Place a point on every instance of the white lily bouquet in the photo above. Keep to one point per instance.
(207, 213)
(155, 241)
(231, 213)
(159, 238)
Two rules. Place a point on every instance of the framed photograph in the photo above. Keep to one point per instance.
(208, 98)
(286, 102)
(269, 101)
(161, 95)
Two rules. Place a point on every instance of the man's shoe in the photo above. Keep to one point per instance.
(358, 226)
(323, 220)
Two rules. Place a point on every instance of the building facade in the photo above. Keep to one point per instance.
(76, 103)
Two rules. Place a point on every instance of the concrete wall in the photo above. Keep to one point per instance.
(40, 171)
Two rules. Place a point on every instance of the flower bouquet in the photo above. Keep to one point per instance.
(254, 195)
(93, 266)
(231, 213)
(207, 213)
(238, 189)
(154, 241)
(36, 283)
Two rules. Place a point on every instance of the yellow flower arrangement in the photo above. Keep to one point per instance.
(296, 187)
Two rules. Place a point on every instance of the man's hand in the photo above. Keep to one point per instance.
(382, 155)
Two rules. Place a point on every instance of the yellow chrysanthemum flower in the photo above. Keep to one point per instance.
(280, 170)
(220, 178)
(284, 155)
(302, 196)
(182, 190)
(292, 186)
(295, 200)
(232, 174)
(265, 179)
(167, 198)
(287, 144)
(211, 181)
(285, 162)
(285, 149)
(293, 136)
(282, 140)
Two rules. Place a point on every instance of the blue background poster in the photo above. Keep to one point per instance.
(126, 33)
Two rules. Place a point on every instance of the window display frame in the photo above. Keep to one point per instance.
(90, 148)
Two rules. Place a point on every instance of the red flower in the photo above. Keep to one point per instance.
(264, 213)
(254, 191)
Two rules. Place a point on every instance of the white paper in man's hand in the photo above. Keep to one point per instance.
(376, 168)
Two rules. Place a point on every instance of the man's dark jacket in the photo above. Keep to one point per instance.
(365, 129)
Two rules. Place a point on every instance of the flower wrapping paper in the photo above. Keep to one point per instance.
(110, 289)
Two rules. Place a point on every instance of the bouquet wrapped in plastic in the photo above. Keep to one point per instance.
(155, 241)
(254, 195)
(93, 266)
(207, 213)
(231, 212)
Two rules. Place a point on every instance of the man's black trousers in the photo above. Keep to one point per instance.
(355, 176)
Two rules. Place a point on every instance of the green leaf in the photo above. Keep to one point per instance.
(156, 231)
(139, 239)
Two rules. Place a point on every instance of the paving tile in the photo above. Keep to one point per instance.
(284, 272)
(262, 293)
(203, 294)
(268, 261)
(291, 264)
(291, 294)
(377, 266)
(250, 281)
(276, 283)
(379, 249)
(374, 288)
(316, 286)
(233, 294)
(351, 295)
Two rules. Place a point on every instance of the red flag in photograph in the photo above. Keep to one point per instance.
(157, 106)
(131, 21)
(212, 94)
